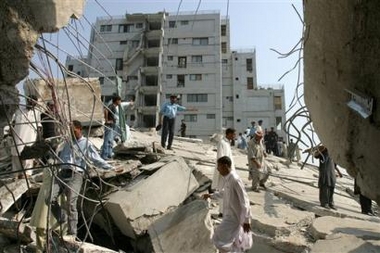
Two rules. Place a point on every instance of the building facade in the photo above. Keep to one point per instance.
(151, 56)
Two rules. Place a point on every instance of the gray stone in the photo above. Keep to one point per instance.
(328, 225)
(187, 229)
(341, 243)
(10, 193)
(135, 208)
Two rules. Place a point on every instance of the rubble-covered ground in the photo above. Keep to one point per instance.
(151, 203)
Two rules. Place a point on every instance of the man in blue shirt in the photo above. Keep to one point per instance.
(73, 157)
(168, 113)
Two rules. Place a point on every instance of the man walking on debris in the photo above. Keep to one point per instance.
(223, 149)
(70, 177)
(27, 125)
(168, 113)
(183, 128)
(327, 178)
(234, 232)
(256, 156)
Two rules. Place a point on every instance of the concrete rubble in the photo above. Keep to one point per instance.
(157, 207)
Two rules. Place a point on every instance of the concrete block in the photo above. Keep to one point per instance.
(341, 243)
(328, 225)
(82, 98)
(10, 193)
(187, 229)
(135, 208)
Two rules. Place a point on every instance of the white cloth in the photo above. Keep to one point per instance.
(25, 129)
(229, 235)
(223, 149)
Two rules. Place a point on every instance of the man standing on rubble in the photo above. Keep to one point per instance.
(256, 156)
(233, 234)
(223, 149)
(27, 125)
(327, 177)
(109, 127)
(73, 156)
(168, 114)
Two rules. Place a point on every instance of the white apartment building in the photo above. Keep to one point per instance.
(156, 55)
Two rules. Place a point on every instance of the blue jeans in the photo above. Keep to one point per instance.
(106, 152)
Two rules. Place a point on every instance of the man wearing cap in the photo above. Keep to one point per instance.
(256, 156)
(168, 113)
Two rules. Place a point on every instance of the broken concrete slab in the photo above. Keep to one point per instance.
(152, 196)
(10, 193)
(187, 229)
(274, 217)
(119, 169)
(341, 243)
(324, 226)
(16, 230)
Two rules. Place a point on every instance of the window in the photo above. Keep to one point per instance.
(196, 58)
(277, 102)
(123, 42)
(236, 58)
(190, 117)
(200, 41)
(101, 80)
(105, 28)
(210, 116)
(223, 30)
(249, 83)
(196, 77)
(173, 41)
(182, 62)
(180, 80)
(169, 76)
(125, 28)
(224, 47)
(249, 64)
(237, 78)
(171, 24)
(135, 43)
(278, 123)
(196, 98)
(184, 22)
(224, 61)
(119, 64)
(139, 25)
(71, 67)
(170, 57)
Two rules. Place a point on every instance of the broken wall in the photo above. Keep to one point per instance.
(82, 98)
(21, 24)
(341, 53)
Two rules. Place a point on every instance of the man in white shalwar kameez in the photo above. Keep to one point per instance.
(223, 149)
(27, 124)
(234, 232)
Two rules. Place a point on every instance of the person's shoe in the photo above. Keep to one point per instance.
(333, 207)
(170, 148)
(69, 238)
(263, 185)
(255, 189)
(325, 206)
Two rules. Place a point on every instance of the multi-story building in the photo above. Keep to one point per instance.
(152, 56)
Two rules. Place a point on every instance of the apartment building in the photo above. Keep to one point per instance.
(152, 56)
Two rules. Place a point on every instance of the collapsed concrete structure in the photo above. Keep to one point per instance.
(341, 58)
(21, 24)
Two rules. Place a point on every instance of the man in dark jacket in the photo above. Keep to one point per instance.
(327, 178)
